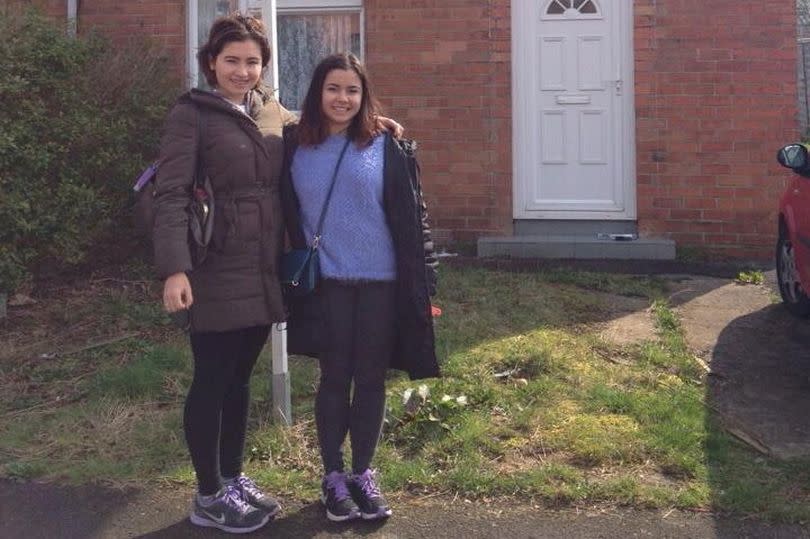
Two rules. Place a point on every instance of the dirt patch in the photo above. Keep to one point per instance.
(627, 319)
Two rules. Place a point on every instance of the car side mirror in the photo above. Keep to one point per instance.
(792, 156)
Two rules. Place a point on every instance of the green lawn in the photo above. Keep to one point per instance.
(534, 403)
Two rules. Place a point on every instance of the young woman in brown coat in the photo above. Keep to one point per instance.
(234, 295)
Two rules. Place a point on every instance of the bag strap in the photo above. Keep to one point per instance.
(317, 238)
(199, 176)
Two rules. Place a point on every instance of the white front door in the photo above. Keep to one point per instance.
(573, 121)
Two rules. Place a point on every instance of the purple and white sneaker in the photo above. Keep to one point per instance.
(335, 496)
(368, 497)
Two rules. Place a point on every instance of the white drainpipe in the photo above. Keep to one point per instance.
(72, 17)
(269, 14)
(192, 69)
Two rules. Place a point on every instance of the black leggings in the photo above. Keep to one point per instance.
(216, 412)
(359, 338)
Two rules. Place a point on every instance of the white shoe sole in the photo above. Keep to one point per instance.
(376, 516)
(339, 518)
(208, 523)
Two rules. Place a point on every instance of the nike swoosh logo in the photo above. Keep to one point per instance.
(218, 519)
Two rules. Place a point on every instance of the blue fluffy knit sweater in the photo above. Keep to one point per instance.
(356, 243)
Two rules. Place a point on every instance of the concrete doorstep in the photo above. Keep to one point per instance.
(578, 246)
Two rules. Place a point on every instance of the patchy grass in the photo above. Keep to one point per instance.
(750, 277)
(534, 403)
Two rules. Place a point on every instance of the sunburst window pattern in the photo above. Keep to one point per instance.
(571, 7)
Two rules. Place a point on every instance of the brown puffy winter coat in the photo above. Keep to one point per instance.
(236, 286)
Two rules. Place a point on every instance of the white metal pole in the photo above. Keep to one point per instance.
(280, 379)
(280, 384)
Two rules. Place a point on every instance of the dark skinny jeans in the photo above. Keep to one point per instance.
(216, 411)
(360, 320)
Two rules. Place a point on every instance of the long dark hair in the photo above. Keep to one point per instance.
(233, 27)
(313, 127)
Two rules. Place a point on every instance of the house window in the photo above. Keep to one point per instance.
(309, 30)
(571, 9)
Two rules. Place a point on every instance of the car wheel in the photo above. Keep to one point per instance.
(790, 286)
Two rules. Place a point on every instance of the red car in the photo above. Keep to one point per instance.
(793, 245)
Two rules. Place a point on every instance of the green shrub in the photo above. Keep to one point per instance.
(79, 118)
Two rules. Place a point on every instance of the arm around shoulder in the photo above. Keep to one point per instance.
(287, 117)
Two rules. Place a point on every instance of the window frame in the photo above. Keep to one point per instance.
(284, 5)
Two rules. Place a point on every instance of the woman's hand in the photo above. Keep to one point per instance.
(387, 124)
(177, 293)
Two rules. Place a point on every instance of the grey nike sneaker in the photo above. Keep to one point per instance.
(228, 512)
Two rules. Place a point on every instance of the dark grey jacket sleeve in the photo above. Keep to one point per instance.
(431, 260)
(175, 177)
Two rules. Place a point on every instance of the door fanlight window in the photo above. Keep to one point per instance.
(572, 9)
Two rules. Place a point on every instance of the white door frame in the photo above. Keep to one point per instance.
(524, 144)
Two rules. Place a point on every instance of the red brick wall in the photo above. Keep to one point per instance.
(442, 68)
(715, 98)
(163, 20)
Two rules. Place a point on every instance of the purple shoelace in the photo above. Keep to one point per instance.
(249, 486)
(368, 484)
(336, 482)
(233, 498)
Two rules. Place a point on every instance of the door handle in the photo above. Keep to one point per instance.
(618, 82)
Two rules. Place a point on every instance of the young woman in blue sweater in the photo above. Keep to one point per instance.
(377, 267)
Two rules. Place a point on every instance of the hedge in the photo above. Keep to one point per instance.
(79, 118)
